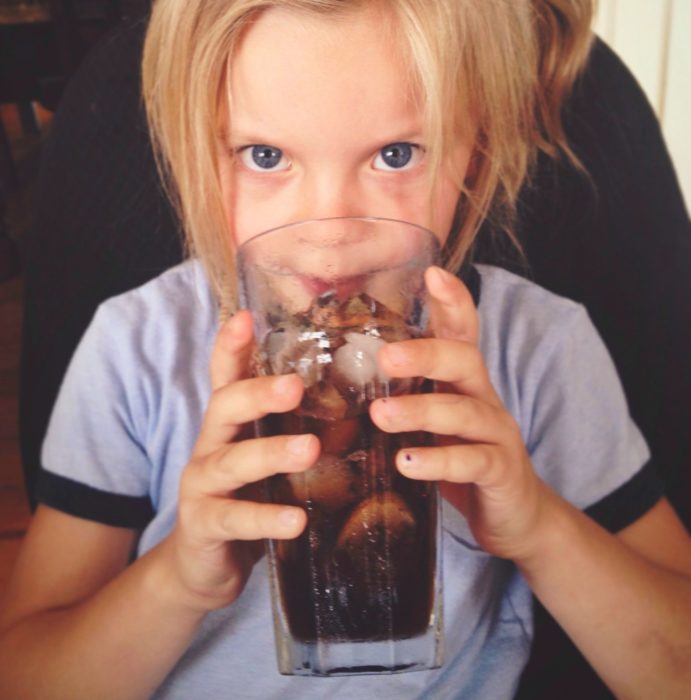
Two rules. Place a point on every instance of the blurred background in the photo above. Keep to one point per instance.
(652, 37)
(42, 42)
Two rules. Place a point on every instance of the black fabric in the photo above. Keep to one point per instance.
(471, 278)
(618, 241)
(629, 502)
(86, 502)
(102, 224)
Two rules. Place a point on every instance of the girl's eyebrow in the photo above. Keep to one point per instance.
(415, 136)
(256, 130)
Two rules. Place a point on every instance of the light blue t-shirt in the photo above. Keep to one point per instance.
(130, 409)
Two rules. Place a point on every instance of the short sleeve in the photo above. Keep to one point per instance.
(556, 378)
(94, 461)
(581, 437)
(132, 402)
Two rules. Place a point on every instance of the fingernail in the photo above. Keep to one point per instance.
(444, 282)
(409, 461)
(283, 384)
(298, 445)
(288, 518)
(389, 407)
(443, 277)
(235, 327)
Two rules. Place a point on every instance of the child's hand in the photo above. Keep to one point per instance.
(218, 533)
(481, 458)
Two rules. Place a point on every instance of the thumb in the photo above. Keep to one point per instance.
(452, 310)
(231, 352)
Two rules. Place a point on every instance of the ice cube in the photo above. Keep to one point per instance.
(355, 362)
(360, 312)
(323, 400)
(337, 436)
(290, 349)
(332, 313)
(380, 513)
(330, 483)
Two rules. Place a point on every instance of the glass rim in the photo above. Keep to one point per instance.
(331, 219)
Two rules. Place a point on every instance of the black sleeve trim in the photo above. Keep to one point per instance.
(629, 502)
(83, 501)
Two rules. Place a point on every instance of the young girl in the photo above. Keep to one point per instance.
(142, 573)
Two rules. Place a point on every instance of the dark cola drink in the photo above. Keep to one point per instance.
(364, 568)
(360, 591)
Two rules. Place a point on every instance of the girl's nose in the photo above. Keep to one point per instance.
(328, 195)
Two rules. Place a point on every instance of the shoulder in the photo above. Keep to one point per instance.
(135, 388)
(177, 297)
(557, 379)
(498, 282)
(516, 313)
(172, 316)
(531, 337)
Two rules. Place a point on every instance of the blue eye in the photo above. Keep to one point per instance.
(397, 156)
(262, 158)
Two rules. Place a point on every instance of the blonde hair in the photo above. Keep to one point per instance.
(502, 68)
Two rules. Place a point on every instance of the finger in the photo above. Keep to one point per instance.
(229, 519)
(480, 464)
(247, 462)
(456, 363)
(452, 309)
(233, 405)
(444, 414)
(231, 351)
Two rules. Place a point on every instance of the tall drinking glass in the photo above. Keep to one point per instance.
(360, 590)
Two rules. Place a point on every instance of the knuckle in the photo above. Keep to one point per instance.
(219, 465)
(242, 520)
(510, 425)
(498, 465)
(451, 410)
(449, 463)
(476, 358)
(425, 352)
(189, 480)
(259, 525)
(187, 514)
(226, 521)
(215, 400)
(485, 458)
(207, 467)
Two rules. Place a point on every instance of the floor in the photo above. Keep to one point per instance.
(14, 511)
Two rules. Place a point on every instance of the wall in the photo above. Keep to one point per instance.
(652, 37)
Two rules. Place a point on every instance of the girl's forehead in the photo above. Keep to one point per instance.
(297, 65)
